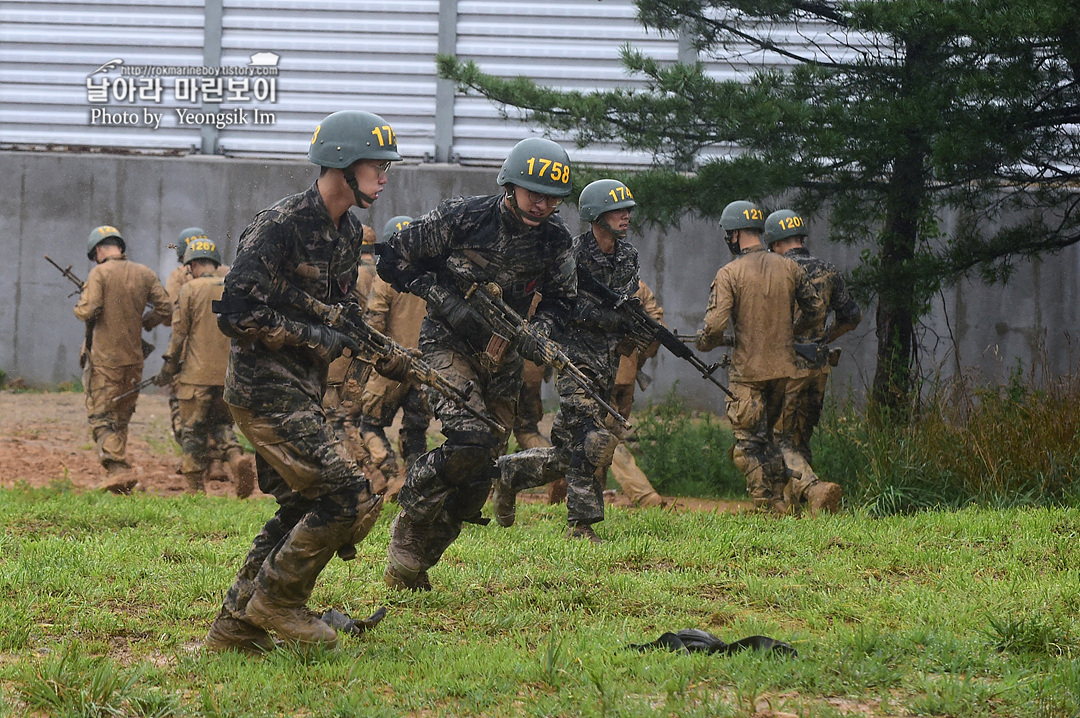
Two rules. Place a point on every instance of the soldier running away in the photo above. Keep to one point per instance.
(398, 315)
(583, 440)
(112, 301)
(785, 233)
(757, 292)
(195, 365)
(513, 241)
(277, 378)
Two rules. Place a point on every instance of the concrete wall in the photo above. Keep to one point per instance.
(50, 202)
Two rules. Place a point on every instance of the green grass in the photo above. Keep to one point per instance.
(968, 613)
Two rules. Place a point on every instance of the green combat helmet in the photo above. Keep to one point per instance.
(345, 137)
(538, 165)
(603, 196)
(783, 223)
(395, 225)
(185, 239)
(99, 235)
(202, 248)
(740, 214)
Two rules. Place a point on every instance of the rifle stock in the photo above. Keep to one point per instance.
(138, 387)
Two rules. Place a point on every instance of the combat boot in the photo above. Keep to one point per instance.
(405, 566)
(119, 478)
(585, 532)
(194, 481)
(823, 497)
(295, 625)
(653, 500)
(503, 497)
(232, 634)
(243, 471)
(216, 471)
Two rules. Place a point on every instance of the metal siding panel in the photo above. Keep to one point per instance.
(47, 50)
(335, 56)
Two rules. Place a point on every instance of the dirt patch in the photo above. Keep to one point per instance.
(44, 438)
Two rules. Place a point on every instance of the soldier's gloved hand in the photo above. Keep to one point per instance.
(463, 318)
(150, 320)
(529, 347)
(604, 319)
(327, 343)
(168, 373)
(394, 367)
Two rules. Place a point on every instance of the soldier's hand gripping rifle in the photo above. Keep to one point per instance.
(135, 390)
(639, 323)
(487, 300)
(346, 319)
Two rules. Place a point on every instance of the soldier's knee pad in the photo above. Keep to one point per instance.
(600, 447)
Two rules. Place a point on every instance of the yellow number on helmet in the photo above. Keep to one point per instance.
(316, 135)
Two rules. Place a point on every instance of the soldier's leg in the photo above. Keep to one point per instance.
(754, 453)
(415, 420)
(810, 401)
(590, 453)
(449, 485)
(174, 412)
(109, 420)
(379, 402)
(193, 404)
(223, 440)
(338, 510)
(530, 408)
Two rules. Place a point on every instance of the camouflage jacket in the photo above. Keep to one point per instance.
(478, 239)
(834, 293)
(587, 345)
(293, 241)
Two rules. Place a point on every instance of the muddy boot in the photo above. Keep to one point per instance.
(295, 625)
(823, 497)
(231, 634)
(243, 468)
(584, 532)
(406, 569)
(194, 482)
(216, 471)
(653, 500)
(119, 478)
(557, 491)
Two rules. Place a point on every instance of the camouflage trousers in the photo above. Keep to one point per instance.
(379, 402)
(108, 419)
(530, 409)
(808, 404)
(204, 419)
(582, 451)
(342, 405)
(449, 485)
(324, 505)
(762, 418)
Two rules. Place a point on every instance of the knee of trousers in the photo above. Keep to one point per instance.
(368, 510)
(467, 500)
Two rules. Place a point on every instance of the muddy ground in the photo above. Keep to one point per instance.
(44, 438)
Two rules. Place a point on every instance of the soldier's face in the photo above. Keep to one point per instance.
(370, 176)
(535, 208)
(617, 219)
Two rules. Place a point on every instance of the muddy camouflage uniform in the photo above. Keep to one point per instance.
(830, 286)
(398, 315)
(462, 241)
(757, 292)
(274, 388)
(583, 442)
(197, 356)
(114, 296)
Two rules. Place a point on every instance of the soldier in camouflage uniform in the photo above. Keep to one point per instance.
(399, 315)
(195, 364)
(173, 283)
(113, 299)
(510, 239)
(277, 378)
(583, 443)
(785, 233)
(758, 292)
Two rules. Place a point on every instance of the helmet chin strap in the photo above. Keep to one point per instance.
(511, 198)
(360, 197)
(616, 233)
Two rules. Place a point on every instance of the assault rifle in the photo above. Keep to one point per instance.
(639, 323)
(88, 340)
(374, 344)
(508, 325)
(137, 388)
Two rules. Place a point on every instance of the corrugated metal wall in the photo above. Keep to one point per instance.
(334, 54)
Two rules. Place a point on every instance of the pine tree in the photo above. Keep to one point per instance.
(888, 114)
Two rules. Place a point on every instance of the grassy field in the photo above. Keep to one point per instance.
(968, 613)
